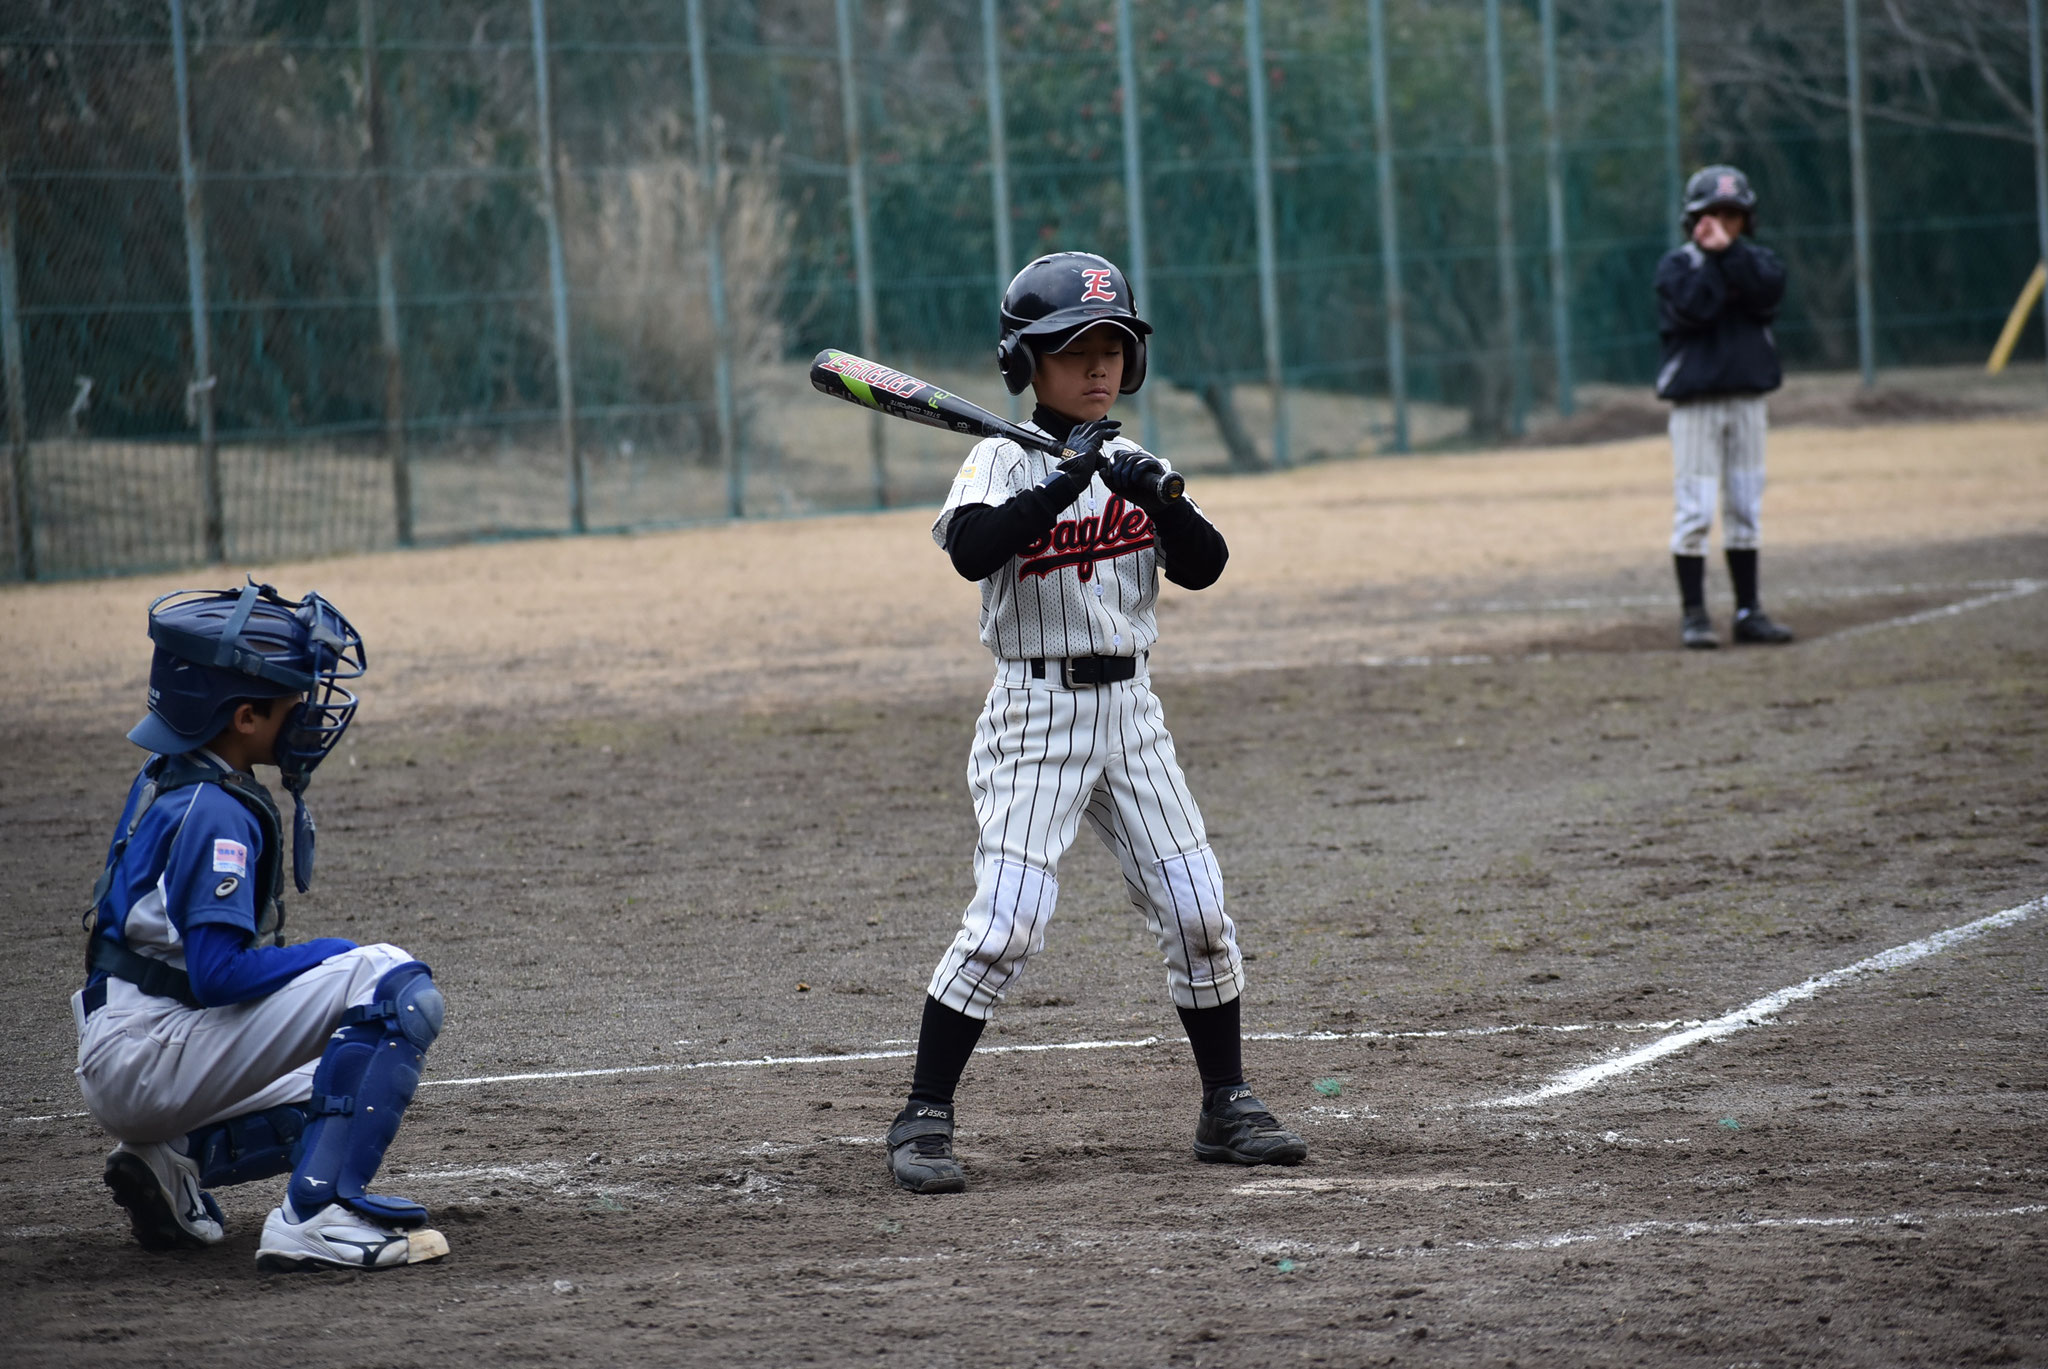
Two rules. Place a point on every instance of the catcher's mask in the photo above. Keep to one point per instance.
(1055, 299)
(217, 648)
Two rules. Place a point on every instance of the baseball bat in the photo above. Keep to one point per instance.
(874, 386)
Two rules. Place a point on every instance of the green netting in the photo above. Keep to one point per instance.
(325, 441)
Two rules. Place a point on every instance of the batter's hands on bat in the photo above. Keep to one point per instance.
(1138, 476)
(1086, 442)
(1711, 233)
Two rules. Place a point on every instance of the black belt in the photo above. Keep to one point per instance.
(1089, 670)
(151, 976)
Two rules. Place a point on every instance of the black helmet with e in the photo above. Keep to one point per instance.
(1055, 299)
(1719, 187)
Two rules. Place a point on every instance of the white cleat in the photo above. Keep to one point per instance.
(160, 1188)
(336, 1238)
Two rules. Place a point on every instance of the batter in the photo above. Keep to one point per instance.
(215, 1052)
(1068, 555)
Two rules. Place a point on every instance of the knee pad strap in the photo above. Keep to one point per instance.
(256, 1145)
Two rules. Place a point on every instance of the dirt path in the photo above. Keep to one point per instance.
(1460, 879)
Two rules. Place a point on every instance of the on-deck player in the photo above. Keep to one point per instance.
(1069, 555)
(215, 1052)
(1716, 297)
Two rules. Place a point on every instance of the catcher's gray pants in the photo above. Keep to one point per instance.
(1045, 757)
(1717, 446)
(152, 1069)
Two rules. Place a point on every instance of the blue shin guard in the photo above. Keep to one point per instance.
(360, 1090)
(255, 1145)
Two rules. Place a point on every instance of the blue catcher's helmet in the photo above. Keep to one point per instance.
(216, 648)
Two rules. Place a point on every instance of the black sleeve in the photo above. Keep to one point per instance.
(981, 538)
(1691, 289)
(1756, 279)
(1191, 551)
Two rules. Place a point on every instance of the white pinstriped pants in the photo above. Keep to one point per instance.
(1717, 447)
(1044, 758)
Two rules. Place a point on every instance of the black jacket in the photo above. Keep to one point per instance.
(1714, 312)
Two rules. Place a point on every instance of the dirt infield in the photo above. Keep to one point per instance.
(679, 821)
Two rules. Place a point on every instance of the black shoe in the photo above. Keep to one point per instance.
(921, 1150)
(1754, 627)
(1696, 630)
(1236, 1129)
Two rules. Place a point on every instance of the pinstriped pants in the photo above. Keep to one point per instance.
(1044, 758)
(1717, 447)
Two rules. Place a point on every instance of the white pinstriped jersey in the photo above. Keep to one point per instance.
(1087, 589)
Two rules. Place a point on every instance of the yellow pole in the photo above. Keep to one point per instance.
(2009, 337)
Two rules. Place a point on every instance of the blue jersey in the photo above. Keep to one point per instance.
(193, 860)
(184, 889)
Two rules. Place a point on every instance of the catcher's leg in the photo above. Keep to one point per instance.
(361, 1089)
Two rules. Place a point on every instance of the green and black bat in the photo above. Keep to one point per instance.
(872, 385)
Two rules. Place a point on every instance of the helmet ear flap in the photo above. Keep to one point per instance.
(1016, 361)
(1134, 366)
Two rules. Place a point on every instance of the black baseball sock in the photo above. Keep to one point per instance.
(1219, 1052)
(1692, 580)
(944, 1042)
(1742, 570)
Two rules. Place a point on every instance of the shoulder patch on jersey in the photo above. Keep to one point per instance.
(967, 473)
(230, 857)
(226, 887)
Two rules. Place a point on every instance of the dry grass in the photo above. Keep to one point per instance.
(757, 613)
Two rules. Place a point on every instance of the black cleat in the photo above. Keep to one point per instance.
(1696, 630)
(1753, 627)
(921, 1150)
(1236, 1129)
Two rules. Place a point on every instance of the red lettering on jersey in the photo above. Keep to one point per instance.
(1098, 285)
(1082, 542)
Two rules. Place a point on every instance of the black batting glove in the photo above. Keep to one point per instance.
(1073, 474)
(1135, 475)
(1086, 442)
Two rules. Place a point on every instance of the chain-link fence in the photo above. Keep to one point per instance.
(285, 277)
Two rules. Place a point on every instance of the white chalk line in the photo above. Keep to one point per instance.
(1762, 1009)
(1136, 1043)
(1999, 592)
(1630, 1231)
(1692, 1032)
(2018, 589)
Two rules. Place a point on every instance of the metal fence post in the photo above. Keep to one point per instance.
(857, 210)
(17, 386)
(1390, 243)
(1262, 190)
(1504, 217)
(558, 274)
(1134, 208)
(387, 283)
(714, 263)
(998, 153)
(1859, 196)
(200, 393)
(1553, 189)
(1674, 176)
(2039, 81)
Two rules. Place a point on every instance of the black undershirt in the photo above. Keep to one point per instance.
(981, 538)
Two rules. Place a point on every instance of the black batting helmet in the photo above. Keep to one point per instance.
(1053, 300)
(1711, 187)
